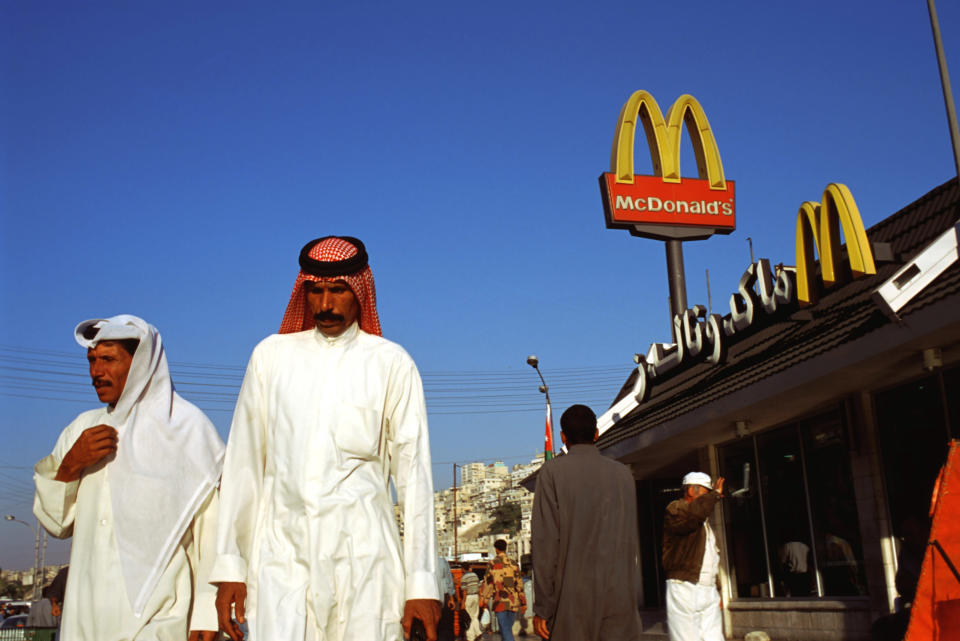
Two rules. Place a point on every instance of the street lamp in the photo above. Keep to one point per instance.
(11, 517)
(534, 362)
(37, 569)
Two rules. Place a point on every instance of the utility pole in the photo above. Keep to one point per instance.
(456, 551)
(43, 559)
(36, 564)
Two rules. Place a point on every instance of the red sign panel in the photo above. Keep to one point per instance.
(651, 201)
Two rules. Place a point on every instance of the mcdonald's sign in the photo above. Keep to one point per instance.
(818, 227)
(665, 205)
(764, 293)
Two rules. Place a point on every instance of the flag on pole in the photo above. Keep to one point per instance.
(548, 440)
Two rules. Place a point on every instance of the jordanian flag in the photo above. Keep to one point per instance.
(548, 439)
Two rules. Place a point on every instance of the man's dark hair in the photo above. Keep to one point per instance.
(500, 545)
(578, 424)
(128, 344)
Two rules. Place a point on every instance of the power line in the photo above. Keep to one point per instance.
(40, 374)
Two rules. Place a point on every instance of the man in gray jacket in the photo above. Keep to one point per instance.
(585, 549)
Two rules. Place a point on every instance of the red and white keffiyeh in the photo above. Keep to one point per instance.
(333, 249)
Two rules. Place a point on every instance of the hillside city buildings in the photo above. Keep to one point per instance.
(482, 489)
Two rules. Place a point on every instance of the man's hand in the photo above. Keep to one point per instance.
(540, 627)
(427, 610)
(94, 444)
(235, 594)
(718, 485)
(203, 635)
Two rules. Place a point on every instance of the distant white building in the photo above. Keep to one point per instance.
(483, 488)
(471, 472)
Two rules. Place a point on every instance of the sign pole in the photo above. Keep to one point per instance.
(666, 206)
(677, 279)
(456, 551)
(945, 83)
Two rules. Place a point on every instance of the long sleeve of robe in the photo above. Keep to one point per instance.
(306, 515)
(96, 606)
(585, 548)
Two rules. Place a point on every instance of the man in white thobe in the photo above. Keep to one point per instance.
(134, 483)
(308, 547)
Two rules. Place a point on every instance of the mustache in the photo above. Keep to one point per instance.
(327, 316)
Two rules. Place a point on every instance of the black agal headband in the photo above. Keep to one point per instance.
(324, 269)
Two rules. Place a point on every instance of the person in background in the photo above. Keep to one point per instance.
(691, 559)
(45, 613)
(502, 585)
(585, 541)
(470, 585)
(446, 590)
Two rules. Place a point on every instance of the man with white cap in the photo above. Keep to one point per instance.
(134, 483)
(690, 560)
(308, 547)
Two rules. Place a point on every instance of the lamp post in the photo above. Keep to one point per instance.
(36, 554)
(534, 362)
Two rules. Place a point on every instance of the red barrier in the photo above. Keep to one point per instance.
(935, 615)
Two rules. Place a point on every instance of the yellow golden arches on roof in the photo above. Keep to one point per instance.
(663, 139)
(818, 228)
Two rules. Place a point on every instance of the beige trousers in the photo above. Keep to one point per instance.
(472, 605)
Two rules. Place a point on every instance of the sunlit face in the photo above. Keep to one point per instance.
(695, 491)
(333, 305)
(109, 366)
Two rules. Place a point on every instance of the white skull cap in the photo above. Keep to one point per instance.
(90, 332)
(698, 478)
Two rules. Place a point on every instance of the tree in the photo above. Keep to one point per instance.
(12, 589)
(506, 519)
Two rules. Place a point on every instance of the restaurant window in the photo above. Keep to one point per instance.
(915, 421)
(791, 514)
(743, 519)
(833, 507)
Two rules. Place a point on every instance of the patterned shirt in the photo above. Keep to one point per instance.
(502, 582)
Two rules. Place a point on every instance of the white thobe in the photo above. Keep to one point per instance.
(306, 518)
(96, 606)
(693, 609)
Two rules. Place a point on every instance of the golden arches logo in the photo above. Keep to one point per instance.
(663, 139)
(666, 205)
(818, 228)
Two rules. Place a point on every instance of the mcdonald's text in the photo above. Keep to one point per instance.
(649, 200)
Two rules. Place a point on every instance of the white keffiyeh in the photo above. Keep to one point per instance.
(169, 457)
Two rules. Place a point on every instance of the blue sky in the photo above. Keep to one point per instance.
(169, 160)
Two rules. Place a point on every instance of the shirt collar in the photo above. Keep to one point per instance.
(342, 340)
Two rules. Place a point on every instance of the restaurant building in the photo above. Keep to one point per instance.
(828, 417)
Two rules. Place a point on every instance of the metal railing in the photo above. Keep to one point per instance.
(28, 634)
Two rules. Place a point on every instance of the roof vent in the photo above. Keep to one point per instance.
(913, 278)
